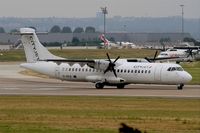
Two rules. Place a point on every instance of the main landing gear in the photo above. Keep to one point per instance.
(180, 87)
(100, 85)
(120, 86)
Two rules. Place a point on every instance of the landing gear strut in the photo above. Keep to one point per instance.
(180, 87)
(99, 85)
(120, 86)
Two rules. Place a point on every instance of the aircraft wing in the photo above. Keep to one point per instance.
(160, 58)
(83, 62)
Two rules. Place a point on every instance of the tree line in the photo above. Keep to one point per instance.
(67, 29)
(58, 29)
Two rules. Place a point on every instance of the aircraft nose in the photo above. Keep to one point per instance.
(186, 77)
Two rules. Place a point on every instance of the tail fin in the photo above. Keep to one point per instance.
(34, 50)
(104, 40)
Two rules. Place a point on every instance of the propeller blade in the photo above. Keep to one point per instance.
(108, 57)
(114, 71)
(116, 59)
(191, 53)
(147, 59)
(155, 55)
(107, 69)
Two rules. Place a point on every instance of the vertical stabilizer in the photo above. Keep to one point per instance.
(104, 40)
(34, 50)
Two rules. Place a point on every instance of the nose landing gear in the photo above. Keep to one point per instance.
(180, 87)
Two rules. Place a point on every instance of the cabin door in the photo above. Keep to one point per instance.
(57, 72)
(157, 74)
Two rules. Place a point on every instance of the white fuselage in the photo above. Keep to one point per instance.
(155, 73)
(173, 53)
(181, 54)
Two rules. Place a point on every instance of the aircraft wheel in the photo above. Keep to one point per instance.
(120, 86)
(180, 87)
(99, 85)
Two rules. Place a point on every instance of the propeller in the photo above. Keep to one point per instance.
(111, 65)
(190, 53)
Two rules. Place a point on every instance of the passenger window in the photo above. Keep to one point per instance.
(135, 71)
(142, 71)
(121, 70)
(131, 71)
(138, 71)
(149, 71)
(76, 69)
(69, 69)
(72, 69)
(117, 70)
(128, 71)
(125, 71)
(145, 71)
(83, 69)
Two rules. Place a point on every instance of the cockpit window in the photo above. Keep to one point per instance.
(169, 69)
(175, 69)
(179, 69)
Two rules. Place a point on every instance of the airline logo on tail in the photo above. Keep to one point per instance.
(34, 48)
(103, 38)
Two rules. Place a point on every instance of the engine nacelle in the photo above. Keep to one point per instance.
(99, 65)
(94, 78)
(112, 80)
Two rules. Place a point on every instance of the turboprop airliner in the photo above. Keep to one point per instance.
(181, 54)
(103, 72)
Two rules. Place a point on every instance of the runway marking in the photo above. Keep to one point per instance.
(10, 88)
(47, 89)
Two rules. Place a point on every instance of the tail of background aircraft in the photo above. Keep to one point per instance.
(104, 40)
(34, 50)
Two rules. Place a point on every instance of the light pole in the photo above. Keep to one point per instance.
(104, 11)
(182, 7)
(199, 28)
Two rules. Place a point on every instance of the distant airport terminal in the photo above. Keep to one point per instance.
(150, 40)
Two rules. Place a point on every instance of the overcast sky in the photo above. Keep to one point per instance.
(88, 8)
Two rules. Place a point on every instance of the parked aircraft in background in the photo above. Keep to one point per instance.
(112, 72)
(181, 54)
(108, 44)
(126, 44)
